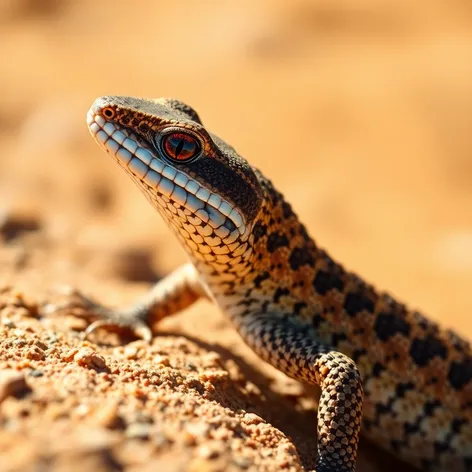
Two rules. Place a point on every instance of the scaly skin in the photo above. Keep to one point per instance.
(409, 380)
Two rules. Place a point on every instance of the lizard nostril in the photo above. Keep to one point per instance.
(109, 113)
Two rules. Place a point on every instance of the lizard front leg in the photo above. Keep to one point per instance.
(175, 292)
(294, 350)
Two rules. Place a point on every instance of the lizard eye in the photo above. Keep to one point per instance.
(180, 146)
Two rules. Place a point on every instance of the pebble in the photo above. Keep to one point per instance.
(12, 383)
(87, 357)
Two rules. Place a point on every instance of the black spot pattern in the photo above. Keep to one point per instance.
(298, 307)
(457, 424)
(423, 350)
(336, 338)
(377, 369)
(358, 353)
(287, 210)
(300, 256)
(382, 409)
(325, 281)
(317, 320)
(388, 324)
(441, 447)
(356, 302)
(280, 292)
(259, 231)
(276, 240)
(430, 407)
(260, 278)
(460, 373)
(402, 388)
(411, 428)
(304, 234)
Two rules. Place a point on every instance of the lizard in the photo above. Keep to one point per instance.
(379, 365)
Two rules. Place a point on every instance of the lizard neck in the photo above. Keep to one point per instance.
(278, 257)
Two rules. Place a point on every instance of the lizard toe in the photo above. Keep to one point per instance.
(113, 322)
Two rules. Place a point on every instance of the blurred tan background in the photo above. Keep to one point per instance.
(359, 111)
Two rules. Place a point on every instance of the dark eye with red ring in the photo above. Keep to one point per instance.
(180, 146)
(109, 113)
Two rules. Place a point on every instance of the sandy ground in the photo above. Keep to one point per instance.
(359, 111)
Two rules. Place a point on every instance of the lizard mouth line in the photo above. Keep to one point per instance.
(171, 184)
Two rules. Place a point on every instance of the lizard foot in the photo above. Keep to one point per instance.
(118, 321)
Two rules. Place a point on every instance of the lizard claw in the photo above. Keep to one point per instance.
(75, 304)
(139, 328)
(79, 305)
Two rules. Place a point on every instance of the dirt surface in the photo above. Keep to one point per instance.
(361, 114)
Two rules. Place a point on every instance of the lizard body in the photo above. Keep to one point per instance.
(408, 380)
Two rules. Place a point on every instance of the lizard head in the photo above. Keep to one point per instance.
(208, 194)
